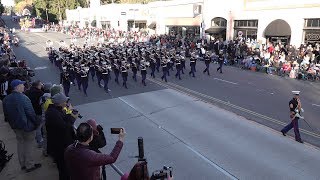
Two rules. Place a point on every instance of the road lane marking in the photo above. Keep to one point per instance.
(40, 68)
(316, 105)
(209, 161)
(178, 88)
(226, 81)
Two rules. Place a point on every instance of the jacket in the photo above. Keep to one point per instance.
(18, 111)
(84, 164)
(34, 95)
(60, 131)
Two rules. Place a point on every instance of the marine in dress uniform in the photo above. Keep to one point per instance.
(295, 109)
(178, 68)
(192, 66)
(84, 79)
(143, 72)
(65, 81)
(164, 70)
(134, 71)
(124, 74)
(207, 61)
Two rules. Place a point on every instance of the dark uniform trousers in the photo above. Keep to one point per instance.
(105, 78)
(78, 78)
(124, 78)
(84, 82)
(207, 63)
(134, 76)
(143, 76)
(193, 69)
(153, 69)
(116, 74)
(164, 73)
(92, 72)
(295, 125)
(178, 67)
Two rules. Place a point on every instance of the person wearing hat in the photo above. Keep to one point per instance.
(58, 121)
(84, 163)
(295, 109)
(18, 110)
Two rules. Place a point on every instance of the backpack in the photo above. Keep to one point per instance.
(4, 158)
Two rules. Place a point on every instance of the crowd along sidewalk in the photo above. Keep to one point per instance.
(12, 170)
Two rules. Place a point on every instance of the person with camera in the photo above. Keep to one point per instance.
(60, 132)
(84, 163)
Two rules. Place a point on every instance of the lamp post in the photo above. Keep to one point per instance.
(79, 19)
(47, 15)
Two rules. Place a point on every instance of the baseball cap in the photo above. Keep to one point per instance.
(59, 98)
(16, 83)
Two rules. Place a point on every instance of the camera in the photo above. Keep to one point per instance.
(164, 173)
(115, 130)
(74, 111)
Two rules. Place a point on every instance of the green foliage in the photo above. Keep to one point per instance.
(57, 8)
(1, 8)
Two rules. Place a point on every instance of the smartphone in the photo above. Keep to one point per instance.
(115, 130)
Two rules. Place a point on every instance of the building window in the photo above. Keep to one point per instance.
(312, 23)
(218, 22)
(246, 23)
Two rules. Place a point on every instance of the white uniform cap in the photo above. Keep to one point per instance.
(296, 92)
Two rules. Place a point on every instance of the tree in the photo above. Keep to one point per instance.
(1, 8)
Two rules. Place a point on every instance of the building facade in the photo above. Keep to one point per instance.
(286, 21)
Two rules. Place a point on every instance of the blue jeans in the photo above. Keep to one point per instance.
(38, 137)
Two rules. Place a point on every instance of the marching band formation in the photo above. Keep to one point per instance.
(78, 64)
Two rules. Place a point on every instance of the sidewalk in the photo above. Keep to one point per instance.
(12, 171)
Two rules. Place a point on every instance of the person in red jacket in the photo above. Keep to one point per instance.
(83, 163)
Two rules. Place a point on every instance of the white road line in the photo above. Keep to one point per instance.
(226, 81)
(40, 68)
(316, 105)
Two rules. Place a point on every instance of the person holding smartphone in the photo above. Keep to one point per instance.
(83, 163)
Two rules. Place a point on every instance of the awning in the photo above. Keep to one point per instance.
(153, 25)
(215, 30)
(183, 21)
(278, 27)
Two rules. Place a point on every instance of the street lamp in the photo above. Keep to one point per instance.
(79, 19)
(47, 15)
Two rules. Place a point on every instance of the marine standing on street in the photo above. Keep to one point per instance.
(65, 81)
(220, 61)
(124, 74)
(192, 65)
(207, 61)
(143, 74)
(295, 109)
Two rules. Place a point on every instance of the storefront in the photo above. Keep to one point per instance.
(246, 28)
(218, 28)
(142, 24)
(311, 32)
(189, 27)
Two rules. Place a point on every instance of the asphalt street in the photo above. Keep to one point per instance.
(264, 97)
(183, 127)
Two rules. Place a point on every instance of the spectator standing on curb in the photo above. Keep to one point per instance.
(83, 163)
(46, 89)
(60, 132)
(20, 114)
(34, 94)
